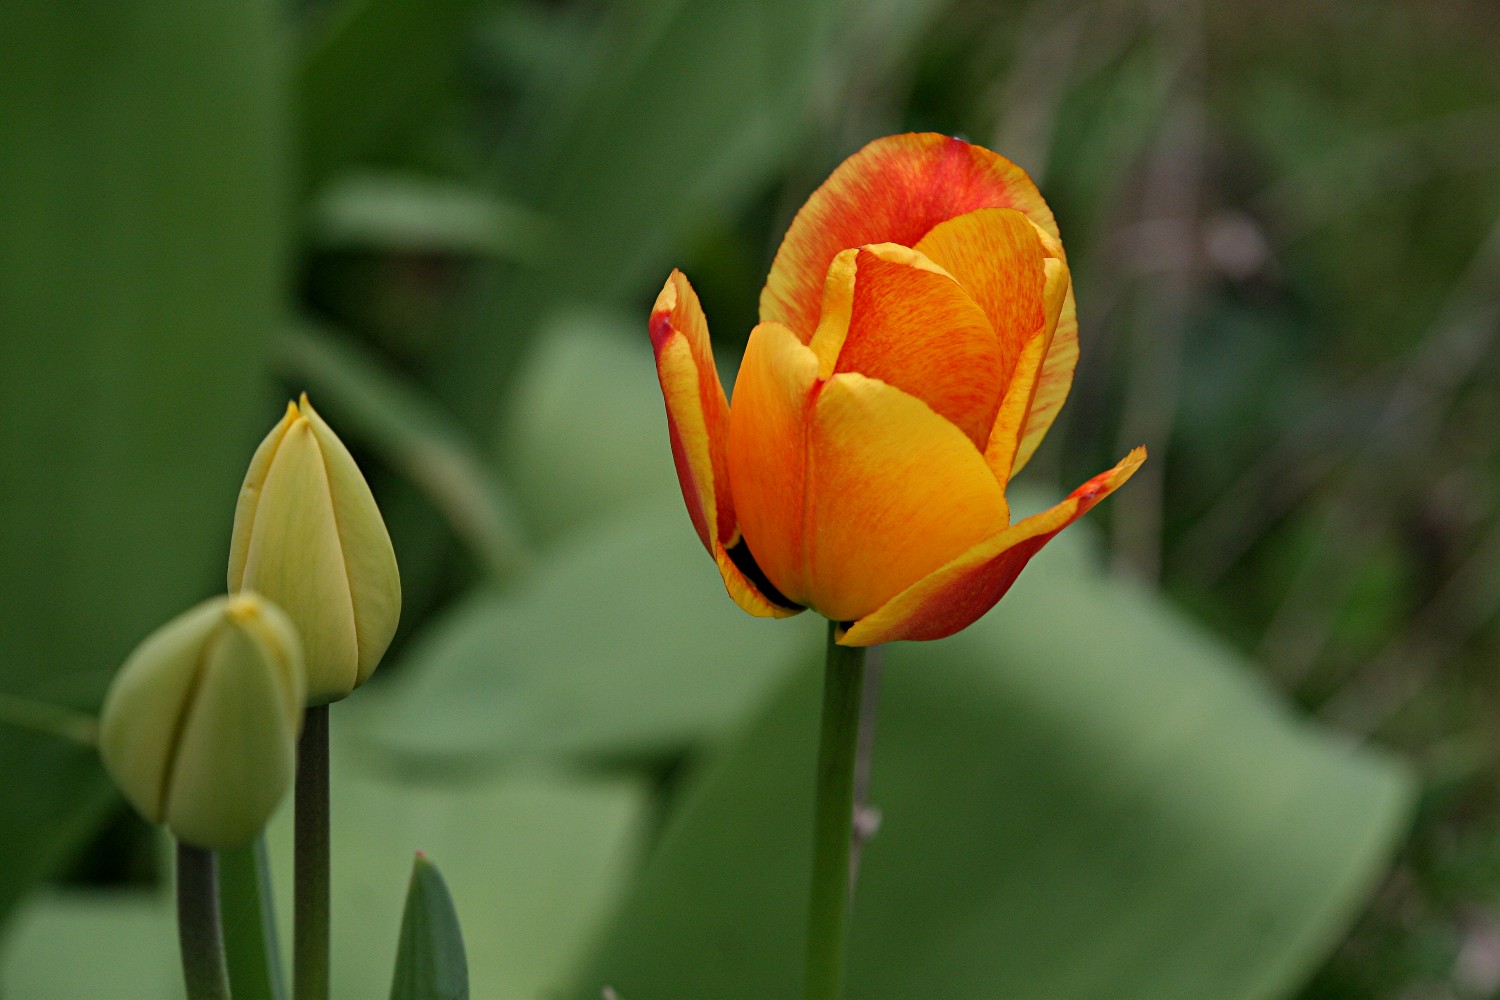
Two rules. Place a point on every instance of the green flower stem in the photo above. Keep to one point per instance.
(246, 902)
(198, 929)
(828, 909)
(310, 909)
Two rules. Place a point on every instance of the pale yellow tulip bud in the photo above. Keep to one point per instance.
(308, 535)
(199, 728)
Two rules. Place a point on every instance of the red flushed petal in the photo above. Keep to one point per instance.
(697, 424)
(697, 409)
(892, 314)
(894, 190)
(955, 596)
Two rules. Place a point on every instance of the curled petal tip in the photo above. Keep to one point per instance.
(959, 593)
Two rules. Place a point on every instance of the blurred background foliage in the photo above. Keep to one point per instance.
(1162, 768)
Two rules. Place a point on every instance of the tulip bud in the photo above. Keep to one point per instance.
(308, 535)
(199, 728)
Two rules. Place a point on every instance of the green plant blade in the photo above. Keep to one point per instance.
(631, 614)
(1082, 797)
(536, 861)
(251, 949)
(430, 962)
(672, 112)
(372, 75)
(143, 261)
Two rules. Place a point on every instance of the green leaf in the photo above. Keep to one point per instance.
(536, 860)
(585, 434)
(676, 109)
(374, 73)
(673, 113)
(430, 962)
(248, 914)
(1082, 797)
(623, 644)
(413, 434)
(411, 213)
(143, 255)
(71, 944)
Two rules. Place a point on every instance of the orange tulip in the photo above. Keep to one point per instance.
(917, 337)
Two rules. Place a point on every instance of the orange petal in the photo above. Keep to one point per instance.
(895, 190)
(953, 597)
(1008, 435)
(996, 255)
(768, 452)
(892, 314)
(697, 422)
(893, 493)
(1053, 384)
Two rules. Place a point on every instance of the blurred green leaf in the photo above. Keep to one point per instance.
(535, 861)
(131, 951)
(677, 109)
(586, 432)
(676, 112)
(410, 213)
(247, 912)
(623, 644)
(430, 962)
(143, 256)
(1081, 797)
(413, 434)
(373, 73)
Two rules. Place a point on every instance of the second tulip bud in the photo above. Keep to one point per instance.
(308, 535)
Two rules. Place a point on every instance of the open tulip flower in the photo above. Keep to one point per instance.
(917, 337)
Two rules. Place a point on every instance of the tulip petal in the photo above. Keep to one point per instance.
(1008, 436)
(249, 498)
(996, 255)
(154, 683)
(1015, 270)
(369, 558)
(295, 515)
(894, 492)
(1053, 383)
(235, 752)
(894, 190)
(698, 425)
(892, 314)
(958, 593)
(768, 453)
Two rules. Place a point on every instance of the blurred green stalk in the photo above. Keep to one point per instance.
(310, 909)
(828, 908)
(198, 929)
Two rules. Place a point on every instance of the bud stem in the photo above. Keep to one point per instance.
(310, 906)
(828, 909)
(198, 929)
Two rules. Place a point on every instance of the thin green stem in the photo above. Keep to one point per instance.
(246, 901)
(198, 929)
(828, 908)
(310, 909)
